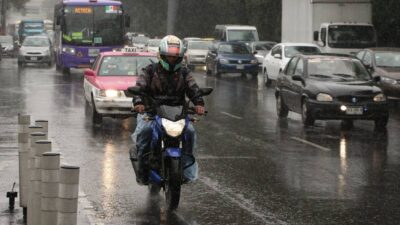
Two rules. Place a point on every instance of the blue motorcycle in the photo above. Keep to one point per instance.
(165, 158)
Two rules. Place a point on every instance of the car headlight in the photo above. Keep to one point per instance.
(109, 93)
(380, 98)
(322, 97)
(223, 61)
(388, 80)
(173, 129)
(254, 61)
(69, 50)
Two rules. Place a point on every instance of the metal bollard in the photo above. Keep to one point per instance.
(50, 164)
(23, 146)
(44, 124)
(32, 175)
(68, 195)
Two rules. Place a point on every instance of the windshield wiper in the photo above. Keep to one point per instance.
(321, 75)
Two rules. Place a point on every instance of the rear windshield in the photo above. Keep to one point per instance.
(199, 45)
(387, 59)
(291, 51)
(338, 69)
(125, 65)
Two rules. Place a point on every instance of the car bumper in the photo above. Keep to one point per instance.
(238, 68)
(114, 106)
(34, 58)
(333, 111)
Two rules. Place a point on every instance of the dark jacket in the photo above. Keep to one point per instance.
(166, 88)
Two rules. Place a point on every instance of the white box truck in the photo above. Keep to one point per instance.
(337, 26)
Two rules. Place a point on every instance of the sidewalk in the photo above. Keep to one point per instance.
(9, 174)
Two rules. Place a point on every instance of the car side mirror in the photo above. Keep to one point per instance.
(213, 52)
(89, 72)
(206, 91)
(368, 67)
(376, 79)
(316, 34)
(278, 56)
(297, 78)
(136, 90)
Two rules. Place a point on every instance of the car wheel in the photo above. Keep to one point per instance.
(50, 64)
(20, 63)
(382, 122)
(267, 81)
(306, 116)
(281, 108)
(97, 118)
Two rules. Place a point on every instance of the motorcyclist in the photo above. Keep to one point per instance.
(168, 82)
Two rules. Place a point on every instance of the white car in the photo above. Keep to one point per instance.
(153, 45)
(276, 60)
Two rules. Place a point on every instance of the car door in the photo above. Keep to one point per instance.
(287, 83)
(297, 86)
(273, 64)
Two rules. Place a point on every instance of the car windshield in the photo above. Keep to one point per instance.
(242, 35)
(6, 40)
(36, 42)
(387, 59)
(154, 42)
(93, 25)
(199, 45)
(233, 49)
(125, 65)
(342, 69)
(140, 39)
(291, 51)
(351, 36)
(263, 46)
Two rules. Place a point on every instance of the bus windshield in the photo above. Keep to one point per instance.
(93, 25)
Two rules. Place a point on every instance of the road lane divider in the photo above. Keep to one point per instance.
(230, 115)
(311, 144)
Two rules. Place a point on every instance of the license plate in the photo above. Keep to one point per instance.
(240, 67)
(91, 60)
(354, 111)
(34, 58)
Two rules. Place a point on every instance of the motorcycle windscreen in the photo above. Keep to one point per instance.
(173, 113)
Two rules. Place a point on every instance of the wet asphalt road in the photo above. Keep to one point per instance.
(254, 168)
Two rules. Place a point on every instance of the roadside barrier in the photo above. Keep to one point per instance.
(50, 164)
(23, 146)
(44, 124)
(68, 195)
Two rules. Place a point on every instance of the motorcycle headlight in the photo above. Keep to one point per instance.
(254, 61)
(173, 129)
(380, 98)
(110, 93)
(388, 80)
(322, 97)
(223, 61)
(69, 50)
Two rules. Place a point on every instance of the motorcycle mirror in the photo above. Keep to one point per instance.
(206, 91)
(136, 90)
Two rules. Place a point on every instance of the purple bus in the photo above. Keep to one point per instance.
(84, 28)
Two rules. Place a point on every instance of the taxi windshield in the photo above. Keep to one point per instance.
(125, 65)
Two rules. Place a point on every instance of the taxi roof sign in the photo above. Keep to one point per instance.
(129, 49)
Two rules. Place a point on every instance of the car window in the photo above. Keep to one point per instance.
(341, 69)
(291, 51)
(124, 65)
(367, 59)
(291, 66)
(263, 46)
(276, 50)
(360, 55)
(299, 67)
(387, 59)
(36, 42)
(94, 66)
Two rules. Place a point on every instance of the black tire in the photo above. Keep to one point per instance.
(20, 63)
(173, 183)
(281, 108)
(306, 116)
(267, 81)
(50, 64)
(97, 118)
(154, 189)
(381, 123)
(254, 74)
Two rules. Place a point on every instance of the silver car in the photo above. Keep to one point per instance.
(35, 49)
(196, 52)
(7, 45)
(261, 49)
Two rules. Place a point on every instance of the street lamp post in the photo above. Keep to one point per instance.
(3, 16)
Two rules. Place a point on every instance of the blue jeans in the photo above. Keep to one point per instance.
(142, 138)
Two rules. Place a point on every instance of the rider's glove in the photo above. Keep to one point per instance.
(199, 109)
(139, 108)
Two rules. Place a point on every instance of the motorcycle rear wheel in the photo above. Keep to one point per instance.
(173, 183)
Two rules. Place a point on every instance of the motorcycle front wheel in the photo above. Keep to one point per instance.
(173, 183)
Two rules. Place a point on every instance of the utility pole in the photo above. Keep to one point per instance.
(171, 15)
(3, 16)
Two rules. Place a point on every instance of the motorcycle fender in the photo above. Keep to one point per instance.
(173, 152)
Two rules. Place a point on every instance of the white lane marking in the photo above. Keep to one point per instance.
(311, 144)
(242, 202)
(233, 116)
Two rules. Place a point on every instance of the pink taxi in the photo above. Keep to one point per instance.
(106, 83)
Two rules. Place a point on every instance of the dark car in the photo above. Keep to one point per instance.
(330, 88)
(384, 62)
(231, 57)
